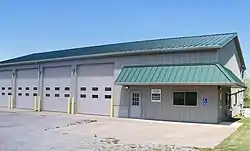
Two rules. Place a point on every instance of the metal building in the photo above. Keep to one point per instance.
(195, 79)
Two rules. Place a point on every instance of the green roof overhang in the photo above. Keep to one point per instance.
(188, 74)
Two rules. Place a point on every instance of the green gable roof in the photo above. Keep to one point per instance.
(206, 74)
(167, 44)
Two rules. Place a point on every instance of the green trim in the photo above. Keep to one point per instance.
(182, 74)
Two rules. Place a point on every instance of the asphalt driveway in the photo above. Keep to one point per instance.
(27, 130)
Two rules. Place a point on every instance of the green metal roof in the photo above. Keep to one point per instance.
(167, 44)
(210, 74)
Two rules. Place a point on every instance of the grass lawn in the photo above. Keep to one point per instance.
(238, 141)
(247, 104)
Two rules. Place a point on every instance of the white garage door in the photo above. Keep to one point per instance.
(56, 88)
(94, 88)
(5, 87)
(26, 88)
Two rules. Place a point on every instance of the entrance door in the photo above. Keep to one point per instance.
(135, 104)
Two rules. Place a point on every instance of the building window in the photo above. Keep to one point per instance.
(3, 88)
(135, 99)
(47, 95)
(83, 96)
(57, 88)
(107, 96)
(107, 88)
(94, 96)
(19, 94)
(3, 93)
(95, 89)
(155, 95)
(34, 94)
(66, 95)
(83, 88)
(185, 98)
(34, 88)
(9, 93)
(57, 95)
(9, 88)
(19, 88)
(67, 88)
(47, 88)
(26, 94)
(27, 88)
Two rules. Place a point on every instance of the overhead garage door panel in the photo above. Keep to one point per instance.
(5, 87)
(26, 88)
(56, 88)
(94, 88)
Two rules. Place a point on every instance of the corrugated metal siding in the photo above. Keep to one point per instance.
(5, 84)
(228, 57)
(121, 99)
(165, 110)
(213, 73)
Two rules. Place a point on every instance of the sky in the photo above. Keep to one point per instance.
(30, 26)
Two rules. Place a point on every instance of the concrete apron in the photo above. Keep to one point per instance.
(139, 131)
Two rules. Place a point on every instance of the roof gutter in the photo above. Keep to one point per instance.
(171, 83)
(139, 52)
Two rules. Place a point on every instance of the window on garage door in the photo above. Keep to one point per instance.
(107, 88)
(94, 88)
(185, 98)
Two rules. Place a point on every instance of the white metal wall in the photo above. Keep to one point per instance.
(121, 102)
(5, 87)
(165, 110)
(26, 88)
(56, 88)
(228, 56)
(94, 88)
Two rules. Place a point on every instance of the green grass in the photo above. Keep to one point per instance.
(238, 141)
(247, 104)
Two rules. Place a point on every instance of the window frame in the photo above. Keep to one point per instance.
(83, 89)
(151, 95)
(66, 88)
(108, 89)
(95, 97)
(83, 96)
(95, 89)
(107, 96)
(136, 103)
(197, 99)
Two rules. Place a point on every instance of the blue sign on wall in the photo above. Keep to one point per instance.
(204, 101)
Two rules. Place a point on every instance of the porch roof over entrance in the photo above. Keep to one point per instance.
(184, 74)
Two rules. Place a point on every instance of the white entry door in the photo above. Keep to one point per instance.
(135, 104)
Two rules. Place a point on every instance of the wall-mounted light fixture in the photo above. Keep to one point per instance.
(126, 87)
